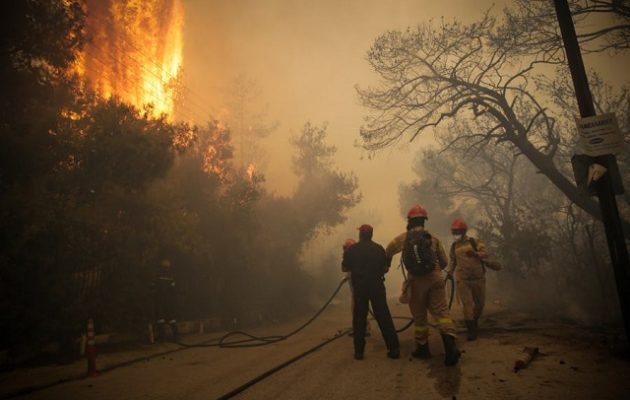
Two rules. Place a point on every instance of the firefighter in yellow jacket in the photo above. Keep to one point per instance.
(424, 259)
(466, 263)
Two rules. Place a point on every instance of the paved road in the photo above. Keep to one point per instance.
(574, 365)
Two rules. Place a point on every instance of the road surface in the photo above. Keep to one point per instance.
(574, 364)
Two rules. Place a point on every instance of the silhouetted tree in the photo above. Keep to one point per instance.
(434, 76)
(38, 41)
(601, 25)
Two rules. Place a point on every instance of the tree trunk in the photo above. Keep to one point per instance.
(546, 166)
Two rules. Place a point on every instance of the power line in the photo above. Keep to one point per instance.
(136, 81)
(132, 76)
(152, 60)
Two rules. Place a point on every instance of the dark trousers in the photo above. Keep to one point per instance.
(366, 292)
(165, 314)
(165, 307)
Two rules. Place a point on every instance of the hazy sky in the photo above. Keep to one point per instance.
(307, 56)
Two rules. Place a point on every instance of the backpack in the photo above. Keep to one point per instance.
(418, 254)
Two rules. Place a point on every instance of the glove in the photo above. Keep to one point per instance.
(471, 253)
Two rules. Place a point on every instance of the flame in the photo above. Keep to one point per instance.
(251, 170)
(213, 163)
(134, 51)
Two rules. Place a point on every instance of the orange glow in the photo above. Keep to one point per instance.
(251, 170)
(134, 51)
(212, 162)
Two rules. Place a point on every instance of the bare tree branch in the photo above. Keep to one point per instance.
(434, 75)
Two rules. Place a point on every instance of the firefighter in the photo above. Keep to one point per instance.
(427, 289)
(367, 262)
(346, 244)
(466, 263)
(165, 301)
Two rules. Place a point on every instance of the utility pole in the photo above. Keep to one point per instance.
(604, 186)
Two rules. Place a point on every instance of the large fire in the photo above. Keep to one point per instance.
(134, 51)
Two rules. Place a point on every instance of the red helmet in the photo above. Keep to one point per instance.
(417, 211)
(459, 225)
(347, 243)
(365, 228)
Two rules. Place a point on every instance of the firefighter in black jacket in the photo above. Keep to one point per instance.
(367, 262)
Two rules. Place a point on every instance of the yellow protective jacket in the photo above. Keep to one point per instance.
(396, 246)
(464, 264)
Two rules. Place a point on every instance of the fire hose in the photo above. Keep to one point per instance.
(271, 371)
(255, 341)
(250, 341)
(449, 278)
(273, 339)
(222, 342)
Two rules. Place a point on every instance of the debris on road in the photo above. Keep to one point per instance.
(525, 358)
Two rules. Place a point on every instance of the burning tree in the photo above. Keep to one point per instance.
(95, 191)
(133, 50)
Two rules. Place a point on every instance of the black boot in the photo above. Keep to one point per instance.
(394, 353)
(422, 351)
(471, 327)
(452, 354)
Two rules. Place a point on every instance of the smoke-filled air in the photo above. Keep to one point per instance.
(288, 199)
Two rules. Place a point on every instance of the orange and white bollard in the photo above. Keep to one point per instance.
(90, 350)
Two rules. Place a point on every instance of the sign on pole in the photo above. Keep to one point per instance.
(599, 135)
